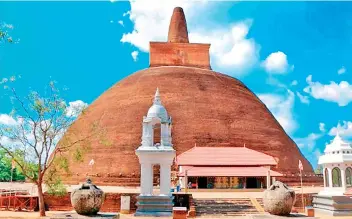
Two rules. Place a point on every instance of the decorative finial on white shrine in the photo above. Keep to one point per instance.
(157, 100)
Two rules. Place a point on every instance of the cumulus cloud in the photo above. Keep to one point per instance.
(308, 141)
(294, 83)
(230, 46)
(75, 108)
(134, 55)
(6, 119)
(281, 106)
(339, 93)
(302, 98)
(276, 63)
(341, 71)
(121, 22)
(344, 129)
(322, 127)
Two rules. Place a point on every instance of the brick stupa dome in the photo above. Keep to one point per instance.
(208, 108)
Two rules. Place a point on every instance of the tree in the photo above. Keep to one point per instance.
(33, 133)
(319, 170)
(5, 36)
(6, 169)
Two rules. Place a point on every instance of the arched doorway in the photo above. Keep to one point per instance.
(348, 176)
(336, 177)
(326, 173)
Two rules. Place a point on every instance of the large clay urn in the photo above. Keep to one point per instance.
(87, 199)
(278, 199)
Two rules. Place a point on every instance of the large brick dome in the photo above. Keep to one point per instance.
(208, 109)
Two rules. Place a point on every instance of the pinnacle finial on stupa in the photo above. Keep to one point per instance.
(178, 32)
(157, 99)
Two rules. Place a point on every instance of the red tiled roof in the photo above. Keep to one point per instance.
(228, 171)
(226, 156)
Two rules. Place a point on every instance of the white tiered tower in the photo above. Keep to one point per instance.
(150, 153)
(337, 167)
(337, 173)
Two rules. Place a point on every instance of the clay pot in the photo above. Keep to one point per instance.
(87, 199)
(278, 199)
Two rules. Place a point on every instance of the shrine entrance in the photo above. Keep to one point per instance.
(202, 182)
(252, 183)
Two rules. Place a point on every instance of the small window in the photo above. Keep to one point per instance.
(338, 152)
(343, 152)
(348, 152)
(333, 152)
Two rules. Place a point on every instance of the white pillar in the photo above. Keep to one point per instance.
(324, 176)
(330, 177)
(146, 179)
(343, 178)
(165, 179)
(164, 135)
(268, 183)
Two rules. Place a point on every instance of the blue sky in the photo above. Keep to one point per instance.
(294, 55)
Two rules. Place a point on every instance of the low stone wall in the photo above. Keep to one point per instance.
(112, 202)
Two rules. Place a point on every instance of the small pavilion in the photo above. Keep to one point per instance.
(226, 168)
(337, 167)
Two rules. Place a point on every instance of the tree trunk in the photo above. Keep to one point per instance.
(41, 198)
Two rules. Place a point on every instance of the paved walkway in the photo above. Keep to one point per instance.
(34, 215)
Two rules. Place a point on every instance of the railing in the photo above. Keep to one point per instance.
(17, 199)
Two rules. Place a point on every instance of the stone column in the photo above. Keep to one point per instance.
(164, 135)
(343, 178)
(165, 179)
(330, 177)
(324, 177)
(146, 179)
(268, 183)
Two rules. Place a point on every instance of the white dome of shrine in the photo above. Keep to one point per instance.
(157, 110)
(338, 151)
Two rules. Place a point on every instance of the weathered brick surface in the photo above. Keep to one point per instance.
(208, 109)
(179, 54)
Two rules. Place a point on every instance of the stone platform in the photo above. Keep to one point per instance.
(155, 206)
(333, 205)
(74, 215)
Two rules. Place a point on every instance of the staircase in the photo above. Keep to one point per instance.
(227, 207)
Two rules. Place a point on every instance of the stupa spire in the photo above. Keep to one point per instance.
(178, 32)
(157, 100)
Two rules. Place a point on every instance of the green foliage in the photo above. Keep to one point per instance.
(319, 170)
(78, 154)
(54, 183)
(5, 169)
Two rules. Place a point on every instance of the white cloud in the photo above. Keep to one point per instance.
(302, 98)
(322, 127)
(317, 153)
(111, 21)
(230, 46)
(75, 108)
(121, 23)
(341, 71)
(294, 83)
(282, 109)
(135, 55)
(7, 120)
(276, 63)
(308, 141)
(344, 129)
(339, 93)
(112, 1)
(275, 82)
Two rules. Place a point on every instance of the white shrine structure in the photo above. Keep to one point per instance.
(156, 149)
(337, 172)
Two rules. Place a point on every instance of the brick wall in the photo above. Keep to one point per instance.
(112, 202)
